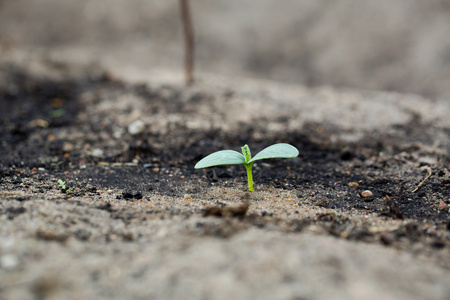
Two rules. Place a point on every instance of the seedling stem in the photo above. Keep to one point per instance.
(249, 176)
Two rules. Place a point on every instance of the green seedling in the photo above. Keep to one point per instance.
(62, 185)
(57, 113)
(231, 157)
(57, 164)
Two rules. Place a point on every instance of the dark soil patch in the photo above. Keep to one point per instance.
(38, 113)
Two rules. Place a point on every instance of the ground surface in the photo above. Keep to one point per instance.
(139, 222)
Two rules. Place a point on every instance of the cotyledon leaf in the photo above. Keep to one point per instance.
(277, 151)
(223, 157)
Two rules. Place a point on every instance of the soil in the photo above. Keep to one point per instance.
(99, 198)
(363, 213)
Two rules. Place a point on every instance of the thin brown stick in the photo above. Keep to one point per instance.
(188, 42)
(423, 181)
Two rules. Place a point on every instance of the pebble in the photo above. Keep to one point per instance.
(68, 147)
(353, 184)
(9, 261)
(366, 194)
(117, 134)
(444, 206)
(137, 127)
(38, 123)
(97, 152)
(387, 238)
(428, 161)
(127, 195)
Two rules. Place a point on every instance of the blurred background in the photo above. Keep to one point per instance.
(395, 45)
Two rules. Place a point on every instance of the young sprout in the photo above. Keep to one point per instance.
(231, 157)
(62, 185)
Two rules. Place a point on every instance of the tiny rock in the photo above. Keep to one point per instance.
(188, 197)
(117, 134)
(38, 123)
(137, 127)
(127, 195)
(387, 238)
(68, 147)
(366, 194)
(353, 184)
(9, 261)
(147, 166)
(443, 205)
(97, 152)
(428, 161)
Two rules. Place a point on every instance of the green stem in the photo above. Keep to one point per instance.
(248, 167)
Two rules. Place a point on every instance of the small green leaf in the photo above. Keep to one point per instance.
(277, 151)
(223, 157)
(62, 184)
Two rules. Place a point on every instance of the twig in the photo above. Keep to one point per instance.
(423, 181)
(188, 42)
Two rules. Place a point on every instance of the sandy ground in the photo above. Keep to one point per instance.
(97, 245)
(161, 247)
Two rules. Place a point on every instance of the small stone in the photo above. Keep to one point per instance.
(9, 261)
(68, 147)
(366, 194)
(428, 161)
(117, 134)
(38, 123)
(137, 127)
(443, 205)
(97, 152)
(127, 195)
(387, 238)
(353, 184)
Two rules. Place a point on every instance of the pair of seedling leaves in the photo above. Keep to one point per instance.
(231, 157)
